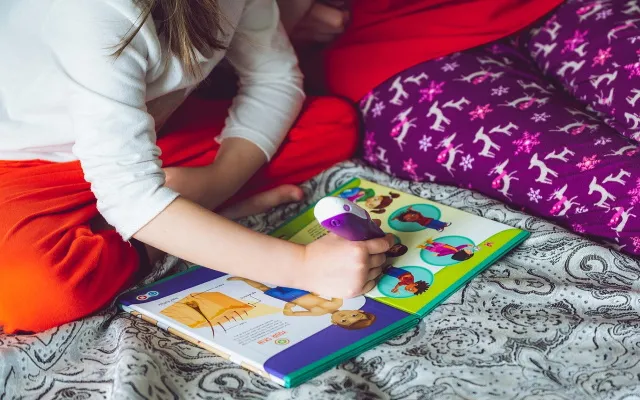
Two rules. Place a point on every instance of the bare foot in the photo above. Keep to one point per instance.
(264, 202)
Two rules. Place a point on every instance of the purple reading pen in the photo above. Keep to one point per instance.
(346, 219)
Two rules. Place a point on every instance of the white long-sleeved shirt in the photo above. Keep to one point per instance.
(64, 97)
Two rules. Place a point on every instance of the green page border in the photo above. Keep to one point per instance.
(450, 278)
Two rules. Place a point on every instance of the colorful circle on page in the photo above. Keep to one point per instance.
(426, 210)
(443, 253)
(282, 342)
(356, 194)
(388, 282)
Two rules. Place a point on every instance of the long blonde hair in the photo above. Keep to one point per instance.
(188, 25)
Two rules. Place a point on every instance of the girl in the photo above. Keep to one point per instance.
(378, 204)
(411, 215)
(534, 103)
(104, 148)
(406, 280)
(457, 253)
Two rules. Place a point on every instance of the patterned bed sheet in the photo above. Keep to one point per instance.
(558, 318)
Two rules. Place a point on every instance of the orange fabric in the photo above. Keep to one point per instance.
(54, 268)
(385, 37)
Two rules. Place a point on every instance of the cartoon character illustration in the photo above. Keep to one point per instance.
(406, 280)
(457, 253)
(378, 204)
(411, 215)
(314, 305)
(397, 250)
(357, 194)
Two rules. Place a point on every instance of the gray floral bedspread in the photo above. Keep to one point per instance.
(558, 318)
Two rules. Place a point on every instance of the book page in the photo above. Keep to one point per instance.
(276, 329)
(437, 248)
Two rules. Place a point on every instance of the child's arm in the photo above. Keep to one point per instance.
(115, 143)
(270, 92)
(191, 232)
(210, 186)
(331, 265)
(269, 99)
(313, 21)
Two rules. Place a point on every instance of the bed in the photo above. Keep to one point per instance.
(555, 319)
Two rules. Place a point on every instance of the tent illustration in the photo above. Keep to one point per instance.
(199, 310)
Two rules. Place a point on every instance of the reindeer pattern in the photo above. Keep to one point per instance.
(562, 148)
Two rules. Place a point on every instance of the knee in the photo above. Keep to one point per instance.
(35, 297)
(39, 292)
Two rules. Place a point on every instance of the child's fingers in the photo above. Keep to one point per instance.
(368, 286)
(377, 260)
(382, 245)
(374, 273)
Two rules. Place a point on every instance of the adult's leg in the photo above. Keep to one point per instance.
(592, 48)
(487, 119)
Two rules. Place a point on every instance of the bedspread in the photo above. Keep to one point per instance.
(557, 318)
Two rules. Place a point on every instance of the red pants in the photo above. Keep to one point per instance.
(55, 269)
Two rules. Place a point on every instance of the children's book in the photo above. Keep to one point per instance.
(290, 336)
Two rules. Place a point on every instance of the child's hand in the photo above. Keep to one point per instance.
(312, 21)
(340, 268)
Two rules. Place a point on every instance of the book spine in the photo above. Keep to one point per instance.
(200, 344)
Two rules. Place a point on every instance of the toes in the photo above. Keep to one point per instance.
(265, 201)
(280, 195)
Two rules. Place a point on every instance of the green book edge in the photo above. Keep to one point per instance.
(316, 368)
(466, 278)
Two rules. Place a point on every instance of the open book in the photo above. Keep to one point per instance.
(289, 335)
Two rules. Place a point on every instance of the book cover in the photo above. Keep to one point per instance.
(289, 335)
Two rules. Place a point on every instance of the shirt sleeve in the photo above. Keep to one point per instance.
(271, 91)
(115, 137)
